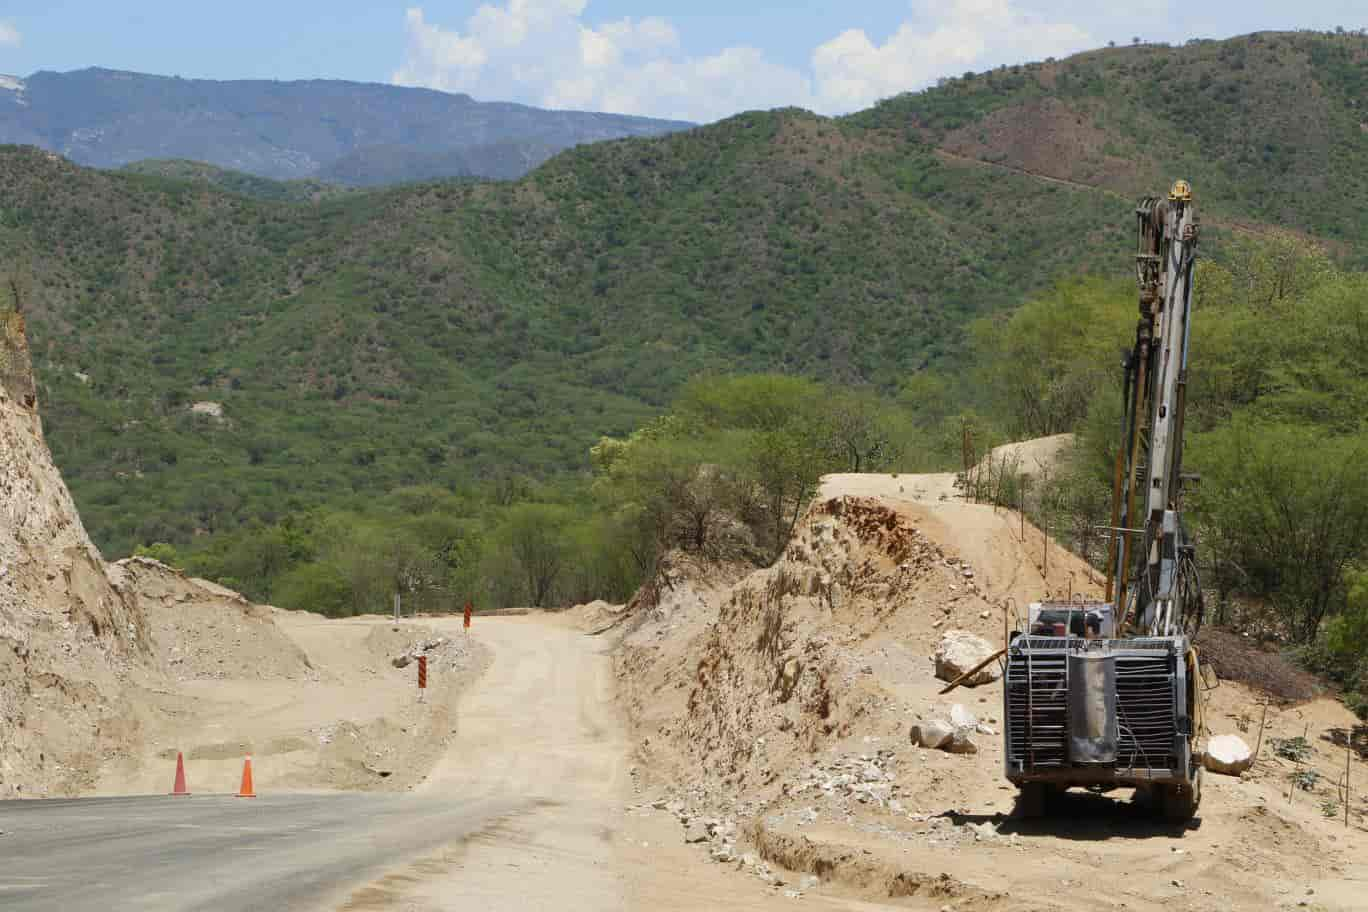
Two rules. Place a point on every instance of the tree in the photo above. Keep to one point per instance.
(861, 430)
(534, 535)
(676, 491)
(786, 465)
(1043, 362)
(1287, 506)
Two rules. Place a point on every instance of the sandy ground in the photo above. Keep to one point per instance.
(316, 703)
(543, 725)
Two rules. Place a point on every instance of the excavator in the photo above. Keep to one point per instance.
(1107, 694)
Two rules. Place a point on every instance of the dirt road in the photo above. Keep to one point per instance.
(541, 727)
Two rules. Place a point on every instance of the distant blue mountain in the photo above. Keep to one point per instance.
(347, 132)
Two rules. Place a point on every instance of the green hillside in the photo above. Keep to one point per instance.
(455, 333)
(309, 190)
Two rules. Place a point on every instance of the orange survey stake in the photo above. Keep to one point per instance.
(422, 672)
(468, 609)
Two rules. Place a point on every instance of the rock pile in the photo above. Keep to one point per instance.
(951, 735)
(864, 778)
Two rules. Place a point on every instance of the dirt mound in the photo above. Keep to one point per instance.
(780, 704)
(202, 630)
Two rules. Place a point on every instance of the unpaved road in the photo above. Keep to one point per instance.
(542, 729)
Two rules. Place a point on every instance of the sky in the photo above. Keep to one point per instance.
(697, 60)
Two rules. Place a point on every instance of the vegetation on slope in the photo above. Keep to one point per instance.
(236, 181)
(464, 336)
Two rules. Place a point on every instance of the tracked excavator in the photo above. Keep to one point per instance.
(1108, 694)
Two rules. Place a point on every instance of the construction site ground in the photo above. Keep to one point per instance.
(732, 739)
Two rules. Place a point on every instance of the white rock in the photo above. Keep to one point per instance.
(961, 717)
(932, 733)
(1228, 754)
(211, 409)
(983, 831)
(958, 652)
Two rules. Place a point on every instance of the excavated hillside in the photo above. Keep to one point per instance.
(68, 633)
(774, 713)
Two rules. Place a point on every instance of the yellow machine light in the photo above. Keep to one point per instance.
(1181, 192)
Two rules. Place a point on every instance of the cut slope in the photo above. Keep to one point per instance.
(66, 632)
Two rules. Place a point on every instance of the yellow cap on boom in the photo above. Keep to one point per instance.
(1181, 192)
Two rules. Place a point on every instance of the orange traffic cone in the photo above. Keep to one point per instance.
(179, 788)
(246, 791)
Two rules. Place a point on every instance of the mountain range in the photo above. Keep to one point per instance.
(352, 133)
(215, 351)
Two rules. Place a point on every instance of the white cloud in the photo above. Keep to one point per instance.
(852, 71)
(9, 35)
(545, 52)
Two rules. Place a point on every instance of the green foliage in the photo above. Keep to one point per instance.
(738, 451)
(1266, 126)
(1286, 507)
(1044, 362)
(236, 181)
(160, 551)
(1295, 749)
(1341, 654)
(531, 540)
(1305, 779)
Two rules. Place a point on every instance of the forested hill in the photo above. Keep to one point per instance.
(1272, 127)
(363, 134)
(453, 332)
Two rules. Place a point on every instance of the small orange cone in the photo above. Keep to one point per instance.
(179, 788)
(246, 791)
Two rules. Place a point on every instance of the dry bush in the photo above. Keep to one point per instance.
(1242, 659)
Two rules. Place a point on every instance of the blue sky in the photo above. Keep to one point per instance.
(694, 59)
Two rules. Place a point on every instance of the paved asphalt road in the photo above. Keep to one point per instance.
(277, 852)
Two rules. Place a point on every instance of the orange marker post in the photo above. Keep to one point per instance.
(422, 678)
(468, 610)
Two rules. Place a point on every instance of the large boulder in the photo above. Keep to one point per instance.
(958, 652)
(1228, 755)
(932, 734)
